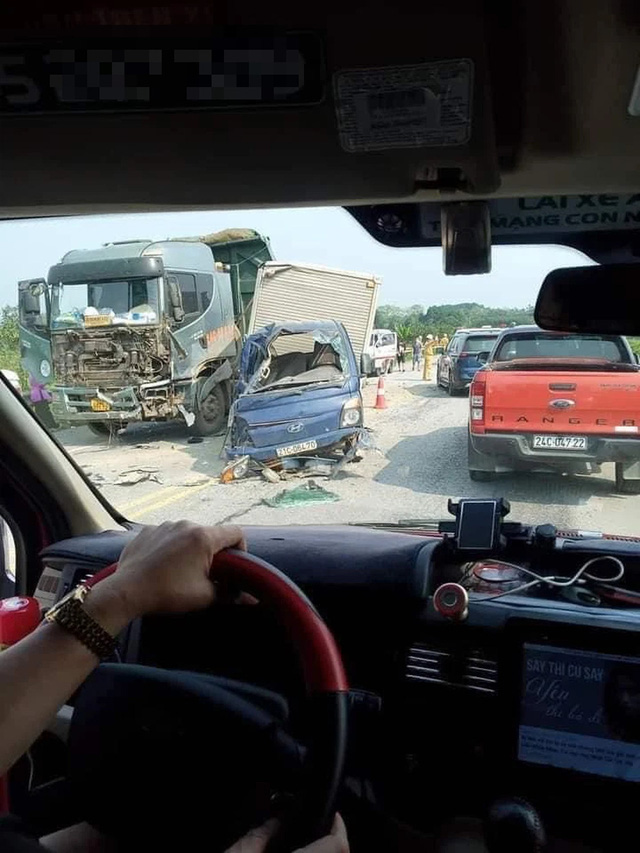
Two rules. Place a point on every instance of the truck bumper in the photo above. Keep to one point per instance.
(507, 452)
(72, 405)
(325, 443)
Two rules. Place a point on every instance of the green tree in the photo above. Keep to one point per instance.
(10, 341)
(440, 319)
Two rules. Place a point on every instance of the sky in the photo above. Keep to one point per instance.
(327, 236)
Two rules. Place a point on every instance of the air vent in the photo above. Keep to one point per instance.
(470, 669)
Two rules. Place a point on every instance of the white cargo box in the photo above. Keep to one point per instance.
(295, 292)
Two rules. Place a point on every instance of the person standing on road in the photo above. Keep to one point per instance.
(400, 355)
(40, 399)
(417, 354)
(428, 352)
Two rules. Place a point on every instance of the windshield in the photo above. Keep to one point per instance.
(212, 419)
(555, 346)
(479, 343)
(104, 302)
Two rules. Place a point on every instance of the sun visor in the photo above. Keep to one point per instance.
(604, 226)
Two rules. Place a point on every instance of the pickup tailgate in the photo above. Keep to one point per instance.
(551, 401)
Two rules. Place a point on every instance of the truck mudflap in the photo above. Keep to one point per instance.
(501, 452)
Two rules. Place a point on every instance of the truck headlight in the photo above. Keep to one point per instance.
(45, 368)
(351, 413)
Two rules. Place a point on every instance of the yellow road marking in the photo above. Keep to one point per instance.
(168, 499)
(150, 496)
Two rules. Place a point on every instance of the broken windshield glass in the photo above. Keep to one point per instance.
(295, 359)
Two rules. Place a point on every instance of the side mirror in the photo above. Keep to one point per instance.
(175, 298)
(30, 303)
(483, 357)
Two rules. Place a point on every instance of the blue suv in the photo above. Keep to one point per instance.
(459, 363)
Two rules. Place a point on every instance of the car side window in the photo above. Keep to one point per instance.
(205, 291)
(187, 282)
(454, 346)
(8, 559)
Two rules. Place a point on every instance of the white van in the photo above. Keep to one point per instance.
(380, 355)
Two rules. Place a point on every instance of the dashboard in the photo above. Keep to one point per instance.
(527, 692)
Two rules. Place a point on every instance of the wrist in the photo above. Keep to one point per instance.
(110, 606)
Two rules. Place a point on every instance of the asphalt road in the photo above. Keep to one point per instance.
(152, 473)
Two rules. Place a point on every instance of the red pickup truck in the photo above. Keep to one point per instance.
(548, 400)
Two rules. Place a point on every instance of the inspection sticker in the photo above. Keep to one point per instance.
(406, 106)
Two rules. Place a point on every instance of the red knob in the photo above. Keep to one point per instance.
(452, 601)
(19, 616)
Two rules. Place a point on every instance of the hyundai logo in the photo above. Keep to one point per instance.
(298, 427)
(561, 404)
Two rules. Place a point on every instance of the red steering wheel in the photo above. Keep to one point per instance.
(107, 704)
(325, 681)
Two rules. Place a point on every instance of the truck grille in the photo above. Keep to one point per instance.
(468, 669)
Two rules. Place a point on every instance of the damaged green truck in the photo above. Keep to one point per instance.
(142, 330)
(146, 330)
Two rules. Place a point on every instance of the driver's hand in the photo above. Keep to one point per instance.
(166, 568)
(257, 839)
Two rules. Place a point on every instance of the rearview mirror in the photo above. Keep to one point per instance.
(599, 300)
(175, 298)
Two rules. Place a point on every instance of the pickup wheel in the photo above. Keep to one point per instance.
(623, 485)
(211, 413)
(106, 429)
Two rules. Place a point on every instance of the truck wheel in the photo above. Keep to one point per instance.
(624, 485)
(211, 413)
(106, 429)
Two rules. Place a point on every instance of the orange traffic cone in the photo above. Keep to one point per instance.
(381, 400)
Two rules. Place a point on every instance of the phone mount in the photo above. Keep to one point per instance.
(478, 524)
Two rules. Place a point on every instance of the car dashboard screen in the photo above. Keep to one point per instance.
(580, 711)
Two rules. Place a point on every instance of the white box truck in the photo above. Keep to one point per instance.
(287, 292)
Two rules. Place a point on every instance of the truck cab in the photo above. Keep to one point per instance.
(137, 330)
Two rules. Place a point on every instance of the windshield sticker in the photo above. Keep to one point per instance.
(550, 214)
(408, 106)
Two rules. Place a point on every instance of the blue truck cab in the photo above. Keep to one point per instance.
(298, 393)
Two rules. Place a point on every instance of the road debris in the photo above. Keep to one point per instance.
(235, 470)
(133, 476)
(269, 475)
(194, 481)
(310, 492)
